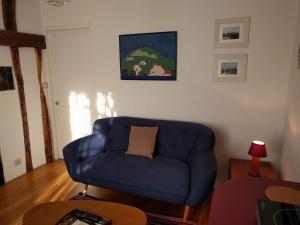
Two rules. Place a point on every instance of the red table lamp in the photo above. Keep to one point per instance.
(257, 150)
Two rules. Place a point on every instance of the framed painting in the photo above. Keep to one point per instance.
(148, 56)
(230, 67)
(6, 78)
(232, 32)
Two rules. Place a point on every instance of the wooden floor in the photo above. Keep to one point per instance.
(51, 182)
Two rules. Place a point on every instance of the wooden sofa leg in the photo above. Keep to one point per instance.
(85, 190)
(186, 213)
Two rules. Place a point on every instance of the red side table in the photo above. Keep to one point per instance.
(241, 167)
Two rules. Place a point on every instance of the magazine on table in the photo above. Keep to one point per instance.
(277, 213)
(80, 217)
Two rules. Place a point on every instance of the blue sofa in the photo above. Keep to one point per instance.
(182, 171)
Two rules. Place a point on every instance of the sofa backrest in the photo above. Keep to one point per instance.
(175, 139)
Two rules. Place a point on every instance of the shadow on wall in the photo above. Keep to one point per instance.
(80, 112)
(221, 150)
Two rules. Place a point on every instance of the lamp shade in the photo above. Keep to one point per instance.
(258, 149)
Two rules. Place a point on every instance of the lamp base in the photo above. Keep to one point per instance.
(255, 167)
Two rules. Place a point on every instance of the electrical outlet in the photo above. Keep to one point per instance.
(18, 162)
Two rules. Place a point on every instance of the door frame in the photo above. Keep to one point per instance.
(49, 91)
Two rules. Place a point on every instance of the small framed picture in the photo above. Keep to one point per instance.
(230, 67)
(232, 32)
(6, 78)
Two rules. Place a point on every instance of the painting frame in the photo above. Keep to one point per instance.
(6, 78)
(148, 56)
(232, 32)
(230, 67)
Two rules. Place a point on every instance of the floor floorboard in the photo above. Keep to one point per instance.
(51, 182)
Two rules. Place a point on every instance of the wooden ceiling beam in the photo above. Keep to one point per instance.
(17, 39)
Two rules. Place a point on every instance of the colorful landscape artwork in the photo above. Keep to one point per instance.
(148, 56)
(6, 78)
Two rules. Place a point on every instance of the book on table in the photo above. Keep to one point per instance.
(277, 213)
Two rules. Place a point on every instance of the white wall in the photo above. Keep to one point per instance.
(237, 112)
(291, 151)
(11, 132)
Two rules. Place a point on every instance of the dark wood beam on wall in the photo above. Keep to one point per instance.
(18, 74)
(9, 19)
(10, 37)
(9, 14)
(16, 39)
(45, 114)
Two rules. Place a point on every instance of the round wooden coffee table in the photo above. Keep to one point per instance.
(51, 213)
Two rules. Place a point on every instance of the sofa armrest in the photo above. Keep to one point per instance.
(203, 171)
(81, 150)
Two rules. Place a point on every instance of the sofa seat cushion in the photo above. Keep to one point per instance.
(162, 174)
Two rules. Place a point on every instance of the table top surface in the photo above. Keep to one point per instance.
(240, 168)
(234, 201)
(51, 213)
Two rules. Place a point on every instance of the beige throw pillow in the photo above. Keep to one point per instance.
(142, 141)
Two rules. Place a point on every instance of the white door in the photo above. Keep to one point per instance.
(69, 62)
